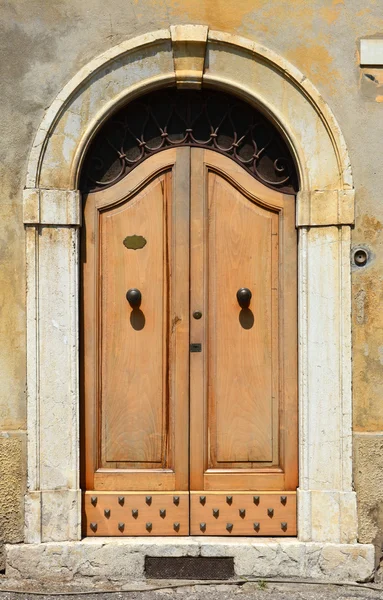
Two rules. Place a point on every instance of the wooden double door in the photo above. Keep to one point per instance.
(189, 335)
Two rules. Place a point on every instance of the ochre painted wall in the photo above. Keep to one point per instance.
(45, 43)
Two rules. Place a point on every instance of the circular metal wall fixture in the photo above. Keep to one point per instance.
(360, 256)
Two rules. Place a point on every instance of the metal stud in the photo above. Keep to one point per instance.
(229, 526)
(284, 526)
(107, 513)
(256, 500)
(148, 500)
(202, 500)
(135, 513)
(229, 499)
(176, 526)
(216, 513)
(93, 526)
(94, 500)
(283, 499)
(162, 513)
(176, 500)
(256, 526)
(121, 500)
(121, 526)
(242, 513)
(270, 512)
(202, 526)
(148, 527)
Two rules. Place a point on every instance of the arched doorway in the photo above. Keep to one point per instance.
(189, 321)
(52, 214)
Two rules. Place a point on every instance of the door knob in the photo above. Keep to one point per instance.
(244, 297)
(134, 297)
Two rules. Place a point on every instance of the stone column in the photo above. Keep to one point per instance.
(326, 501)
(53, 500)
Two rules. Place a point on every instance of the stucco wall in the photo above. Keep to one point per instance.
(45, 43)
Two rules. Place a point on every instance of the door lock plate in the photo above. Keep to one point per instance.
(195, 347)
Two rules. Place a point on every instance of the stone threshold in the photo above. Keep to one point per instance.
(118, 559)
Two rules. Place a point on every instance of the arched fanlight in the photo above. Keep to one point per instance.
(199, 118)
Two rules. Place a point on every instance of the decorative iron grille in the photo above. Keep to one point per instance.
(204, 119)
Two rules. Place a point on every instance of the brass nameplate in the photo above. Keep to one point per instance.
(134, 242)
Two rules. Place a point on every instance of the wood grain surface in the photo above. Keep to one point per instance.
(271, 514)
(136, 360)
(157, 417)
(121, 514)
(243, 386)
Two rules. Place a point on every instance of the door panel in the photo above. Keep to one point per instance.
(243, 390)
(136, 359)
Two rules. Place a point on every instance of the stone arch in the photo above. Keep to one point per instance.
(189, 56)
(192, 56)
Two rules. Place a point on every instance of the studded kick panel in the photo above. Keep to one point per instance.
(238, 513)
(133, 514)
(211, 513)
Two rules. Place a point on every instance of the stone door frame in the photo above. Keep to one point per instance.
(189, 56)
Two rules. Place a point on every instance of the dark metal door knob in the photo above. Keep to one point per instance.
(244, 296)
(134, 297)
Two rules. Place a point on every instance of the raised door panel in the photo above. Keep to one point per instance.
(134, 342)
(242, 342)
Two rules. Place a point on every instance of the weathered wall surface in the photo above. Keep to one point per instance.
(43, 44)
